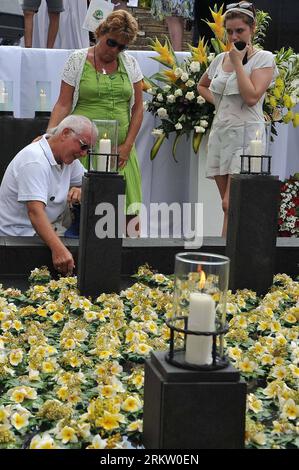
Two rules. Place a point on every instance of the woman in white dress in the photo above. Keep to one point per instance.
(238, 93)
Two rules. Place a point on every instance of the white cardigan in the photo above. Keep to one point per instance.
(74, 67)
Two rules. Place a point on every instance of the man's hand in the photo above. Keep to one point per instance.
(62, 259)
(74, 196)
(61, 256)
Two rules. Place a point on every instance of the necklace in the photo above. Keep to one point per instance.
(104, 72)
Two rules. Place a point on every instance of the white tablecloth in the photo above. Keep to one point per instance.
(163, 180)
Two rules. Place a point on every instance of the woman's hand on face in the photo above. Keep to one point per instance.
(237, 56)
(124, 154)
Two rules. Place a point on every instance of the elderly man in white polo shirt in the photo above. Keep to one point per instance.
(40, 181)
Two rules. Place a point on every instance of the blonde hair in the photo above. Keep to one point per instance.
(121, 23)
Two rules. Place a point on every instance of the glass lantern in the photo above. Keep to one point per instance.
(256, 157)
(6, 97)
(42, 98)
(199, 321)
(104, 157)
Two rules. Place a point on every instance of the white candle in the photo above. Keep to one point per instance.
(201, 318)
(3, 97)
(42, 101)
(256, 149)
(105, 148)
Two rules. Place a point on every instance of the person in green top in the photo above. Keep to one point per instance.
(105, 82)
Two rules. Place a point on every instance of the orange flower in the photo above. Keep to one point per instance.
(170, 75)
(166, 56)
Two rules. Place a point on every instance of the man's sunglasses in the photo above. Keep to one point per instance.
(83, 145)
(112, 43)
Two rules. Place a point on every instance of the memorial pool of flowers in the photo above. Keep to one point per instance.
(71, 370)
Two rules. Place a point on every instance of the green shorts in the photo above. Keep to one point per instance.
(54, 6)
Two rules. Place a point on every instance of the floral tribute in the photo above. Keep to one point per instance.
(71, 370)
(288, 220)
(175, 99)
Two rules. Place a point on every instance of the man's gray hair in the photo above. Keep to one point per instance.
(77, 123)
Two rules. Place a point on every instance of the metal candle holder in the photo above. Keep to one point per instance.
(176, 357)
(248, 164)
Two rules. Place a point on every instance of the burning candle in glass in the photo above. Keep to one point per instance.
(104, 148)
(202, 311)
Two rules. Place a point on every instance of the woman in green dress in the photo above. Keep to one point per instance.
(105, 82)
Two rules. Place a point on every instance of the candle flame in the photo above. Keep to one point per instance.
(202, 280)
(257, 135)
(105, 135)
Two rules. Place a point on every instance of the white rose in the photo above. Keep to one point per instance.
(190, 83)
(162, 113)
(195, 66)
(145, 105)
(203, 123)
(170, 99)
(178, 72)
(160, 97)
(211, 56)
(151, 91)
(178, 92)
(190, 95)
(167, 88)
(199, 129)
(178, 126)
(200, 100)
(184, 77)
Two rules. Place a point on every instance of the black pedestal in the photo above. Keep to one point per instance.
(15, 134)
(252, 231)
(192, 409)
(99, 259)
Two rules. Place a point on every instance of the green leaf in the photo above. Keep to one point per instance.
(175, 145)
(196, 141)
(157, 145)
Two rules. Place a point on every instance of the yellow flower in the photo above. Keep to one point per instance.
(90, 316)
(19, 420)
(104, 354)
(31, 393)
(275, 326)
(288, 102)
(254, 404)
(48, 367)
(68, 343)
(296, 120)
(132, 404)
(235, 353)
(279, 372)
(199, 53)
(288, 117)
(217, 27)
(16, 357)
(290, 410)
(277, 93)
(3, 316)
(247, 366)
(44, 442)
(295, 370)
(57, 317)
(170, 75)
(266, 359)
(107, 391)
(18, 395)
(259, 438)
(41, 312)
(272, 101)
(33, 374)
(67, 434)
(135, 426)
(75, 361)
(62, 393)
(290, 318)
(97, 443)
(279, 83)
(109, 421)
(143, 349)
(17, 325)
(138, 381)
(165, 55)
